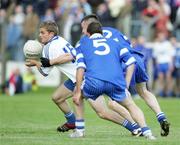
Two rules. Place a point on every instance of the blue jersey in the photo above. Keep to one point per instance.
(102, 58)
(109, 32)
(116, 35)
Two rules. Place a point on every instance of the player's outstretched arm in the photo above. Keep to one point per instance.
(62, 59)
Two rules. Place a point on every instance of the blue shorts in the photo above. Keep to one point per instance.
(163, 68)
(93, 88)
(140, 75)
(69, 85)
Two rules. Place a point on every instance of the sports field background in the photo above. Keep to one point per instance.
(32, 118)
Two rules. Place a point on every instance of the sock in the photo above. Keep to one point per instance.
(145, 130)
(80, 125)
(128, 125)
(70, 117)
(161, 117)
(135, 125)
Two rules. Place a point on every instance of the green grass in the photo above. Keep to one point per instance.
(32, 118)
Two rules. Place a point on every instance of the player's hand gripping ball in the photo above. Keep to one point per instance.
(32, 49)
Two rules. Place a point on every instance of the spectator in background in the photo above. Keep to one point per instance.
(29, 81)
(163, 23)
(177, 24)
(76, 26)
(40, 7)
(61, 14)
(176, 72)
(136, 24)
(149, 17)
(140, 46)
(147, 52)
(49, 15)
(2, 16)
(72, 29)
(86, 7)
(14, 85)
(30, 24)
(104, 14)
(124, 17)
(15, 29)
(163, 53)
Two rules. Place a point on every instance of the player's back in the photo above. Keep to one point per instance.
(116, 35)
(102, 59)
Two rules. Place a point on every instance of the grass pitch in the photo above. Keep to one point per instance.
(32, 118)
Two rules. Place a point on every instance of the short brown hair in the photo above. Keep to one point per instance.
(50, 26)
(90, 18)
(94, 27)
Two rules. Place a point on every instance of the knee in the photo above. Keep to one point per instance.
(102, 114)
(57, 98)
(142, 92)
(111, 104)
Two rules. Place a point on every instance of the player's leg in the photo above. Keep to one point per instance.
(120, 95)
(59, 97)
(101, 109)
(141, 77)
(169, 80)
(178, 83)
(92, 91)
(161, 80)
(152, 102)
(148, 97)
(138, 116)
(124, 114)
(80, 122)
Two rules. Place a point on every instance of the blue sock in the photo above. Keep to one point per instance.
(145, 130)
(135, 125)
(70, 117)
(128, 125)
(80, 125)
(161, 117)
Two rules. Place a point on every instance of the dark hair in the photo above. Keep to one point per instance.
(50, 26)
(94, 27)
(91, 17)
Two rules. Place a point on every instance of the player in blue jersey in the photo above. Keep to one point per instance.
(55, 46)
(99, 62)
(140, 76)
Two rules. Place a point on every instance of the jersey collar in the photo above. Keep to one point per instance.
(96, 35)
(53, 38)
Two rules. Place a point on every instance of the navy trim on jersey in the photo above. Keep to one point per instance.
(41, 71)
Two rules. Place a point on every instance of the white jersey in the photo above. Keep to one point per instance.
(163, 52)
(53, 49)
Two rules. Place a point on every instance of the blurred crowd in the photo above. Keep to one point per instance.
(19, 82)
(142, 21)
